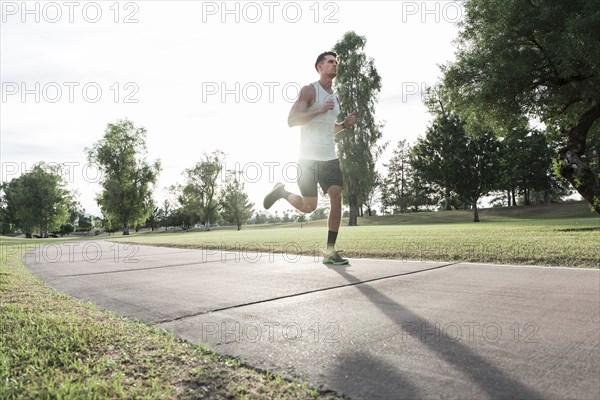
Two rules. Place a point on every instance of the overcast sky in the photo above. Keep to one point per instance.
(199, 76)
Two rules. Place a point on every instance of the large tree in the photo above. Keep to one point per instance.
(526, 165)
(457, 162)
(434, 156)
(38, 200)
(127, 178)
(540, 59)
(357, 84)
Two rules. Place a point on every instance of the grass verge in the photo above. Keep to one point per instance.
(562, 236)
(52, 346)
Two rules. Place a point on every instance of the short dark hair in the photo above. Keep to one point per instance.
(322, 56)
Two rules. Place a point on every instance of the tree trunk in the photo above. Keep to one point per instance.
(352, 220)
(475, 212)
(514, 199)
(447, 205)
(571, 159)
(125, 228)
(508, 197)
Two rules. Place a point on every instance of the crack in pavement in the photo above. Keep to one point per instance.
(179, 318)
(117, 271)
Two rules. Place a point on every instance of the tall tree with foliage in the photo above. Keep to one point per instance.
(7, 224)
(201, 189)
(357, 85)
(127, 178)
(38, 200)
(434, 156)
(477, 169)
(538, 59)
(397, 185)
(375, 195)
(235, 206)
(526, 164)
(459, 163)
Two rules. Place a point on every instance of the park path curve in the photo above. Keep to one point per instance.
(376, 329)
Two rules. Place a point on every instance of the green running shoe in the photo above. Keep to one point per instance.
(333, 257)
(273, 196)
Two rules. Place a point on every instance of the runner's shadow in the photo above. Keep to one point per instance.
(378, 378)
(489, 378)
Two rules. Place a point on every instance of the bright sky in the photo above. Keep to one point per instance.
(199, 76)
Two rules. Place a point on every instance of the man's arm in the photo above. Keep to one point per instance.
(346, 124)
(299, 114)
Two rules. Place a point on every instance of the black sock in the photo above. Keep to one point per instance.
(331, 238)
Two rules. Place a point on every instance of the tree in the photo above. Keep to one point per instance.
(319, 213)
(540, 59)
(201, 189)
(286, 217)
(6, 221)
(357, 84)
(526, 164)
(423, 195)
(375, 195)
(457, 162)
(235, 207)
(84, 224)
(154, 217)
(127, 178)
(434, 156)
(66, 229)
(37, 200)
(477, 172)
(397, 185)
(301, 217)
(165, 214)
(260, 218)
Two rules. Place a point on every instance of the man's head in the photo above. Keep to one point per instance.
(327, 62)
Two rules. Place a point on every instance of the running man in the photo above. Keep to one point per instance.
(316, 111)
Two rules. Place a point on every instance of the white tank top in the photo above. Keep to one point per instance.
(316, 137)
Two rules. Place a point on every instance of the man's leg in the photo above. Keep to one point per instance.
(306, 204)
(331, 256)
(307, 182)
(335, 215)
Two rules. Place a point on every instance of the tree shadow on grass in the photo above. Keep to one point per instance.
(589, 229)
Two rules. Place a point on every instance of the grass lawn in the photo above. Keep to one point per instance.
(561, 235)
(52, 346)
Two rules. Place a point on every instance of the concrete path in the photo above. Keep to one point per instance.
(372, 330)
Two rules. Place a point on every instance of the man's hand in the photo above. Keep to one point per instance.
(349, 121)
(328, 105)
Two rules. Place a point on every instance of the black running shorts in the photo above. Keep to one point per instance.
(323, 173)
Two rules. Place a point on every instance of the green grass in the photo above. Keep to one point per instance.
(561, 235)
(52, 346)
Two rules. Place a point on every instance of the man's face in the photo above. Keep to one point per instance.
(328, 66)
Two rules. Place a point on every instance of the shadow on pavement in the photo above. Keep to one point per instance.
(491, 380)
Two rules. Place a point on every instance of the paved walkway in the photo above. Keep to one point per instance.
(372, 330)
